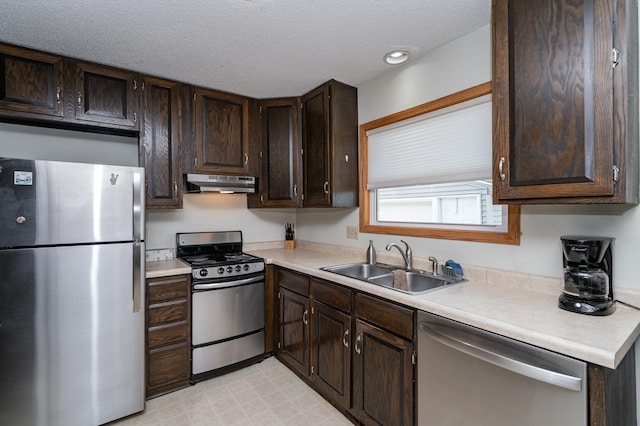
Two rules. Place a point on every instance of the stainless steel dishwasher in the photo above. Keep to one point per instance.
(467, 376)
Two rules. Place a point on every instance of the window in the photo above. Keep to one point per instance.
(426, 172)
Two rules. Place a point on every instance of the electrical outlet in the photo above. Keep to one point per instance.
(352, 232)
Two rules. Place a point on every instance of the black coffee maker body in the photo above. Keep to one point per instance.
(588, 285)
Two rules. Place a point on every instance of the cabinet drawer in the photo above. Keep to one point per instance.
(168, 365)
(163, 313)
(161, 289)
(394, 318)
(331, 294)
(293, 281)
(167, 334)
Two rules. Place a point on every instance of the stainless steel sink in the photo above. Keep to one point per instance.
(418, 282)
(360, 271)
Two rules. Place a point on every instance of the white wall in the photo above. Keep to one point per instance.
(461, 64)
(216, 212)
(40, 143)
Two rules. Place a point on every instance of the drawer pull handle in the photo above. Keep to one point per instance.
(345, 342)
(357, 347)
(304, 317)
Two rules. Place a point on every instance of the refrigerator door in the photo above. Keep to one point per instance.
(71, 335)
(53, 203)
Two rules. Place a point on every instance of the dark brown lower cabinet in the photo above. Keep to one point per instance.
(168, 332)
(331, 353)
(294, 331)
(382, 377)
(355, 350)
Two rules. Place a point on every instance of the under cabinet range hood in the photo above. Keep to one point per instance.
(223, 184)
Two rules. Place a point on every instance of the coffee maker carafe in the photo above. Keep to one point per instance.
(588, 288)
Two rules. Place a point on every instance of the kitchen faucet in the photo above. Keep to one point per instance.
(407, 254)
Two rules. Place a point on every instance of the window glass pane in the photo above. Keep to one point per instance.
(460, 203)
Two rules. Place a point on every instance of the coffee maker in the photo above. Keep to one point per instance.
(588, 288)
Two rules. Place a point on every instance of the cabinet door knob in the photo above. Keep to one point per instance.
(325, 187)
(304, 317)
(58, 92)
(175, 188)
(295, 191)
(345, 338)
(79, 99)
(246, 158)
(357, 347)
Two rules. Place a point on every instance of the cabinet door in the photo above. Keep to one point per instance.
(107, 96)
(294, 331)
(31, 82)
(315, 136)
(221, 132)
(160, 147)
(553, 99)
(383, 377)
(331, 353)
(281, 179)
(168, 368)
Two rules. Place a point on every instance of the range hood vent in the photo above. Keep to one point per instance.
(220, 183)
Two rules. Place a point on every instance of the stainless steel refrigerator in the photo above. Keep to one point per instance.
(71, 292)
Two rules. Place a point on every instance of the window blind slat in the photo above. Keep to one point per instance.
(434, 148)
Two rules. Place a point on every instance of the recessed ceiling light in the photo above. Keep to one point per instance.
(396, 57)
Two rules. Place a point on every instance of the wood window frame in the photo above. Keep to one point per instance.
(510, 236)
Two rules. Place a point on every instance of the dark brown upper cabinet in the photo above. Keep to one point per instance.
(221, 132)
(103, 95)
(280, 178)
(32, 83)
(565, 104)
(330, 146)
(160, 143)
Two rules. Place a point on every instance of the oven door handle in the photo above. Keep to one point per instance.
(225, 284)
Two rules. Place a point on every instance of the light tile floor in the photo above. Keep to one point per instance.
(262, 394)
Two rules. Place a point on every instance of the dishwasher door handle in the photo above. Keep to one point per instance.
(493, 356)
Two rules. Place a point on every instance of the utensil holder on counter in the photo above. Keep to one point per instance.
(289, 244)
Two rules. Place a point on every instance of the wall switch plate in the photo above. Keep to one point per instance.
(352, 232)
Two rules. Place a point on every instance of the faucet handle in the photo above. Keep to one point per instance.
(407, 249)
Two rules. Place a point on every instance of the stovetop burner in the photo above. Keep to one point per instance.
(218, 259)
(216, 254)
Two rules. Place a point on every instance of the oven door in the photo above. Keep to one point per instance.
(227, 309)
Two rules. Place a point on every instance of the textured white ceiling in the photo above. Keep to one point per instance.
(258, 48)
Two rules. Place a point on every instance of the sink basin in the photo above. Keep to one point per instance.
(359, 271)
(417, 282)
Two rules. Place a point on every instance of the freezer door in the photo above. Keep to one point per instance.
(71, 339)
(53, 203)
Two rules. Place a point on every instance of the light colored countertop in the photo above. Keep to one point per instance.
(512, 310)
(513, 306)
(165, 268)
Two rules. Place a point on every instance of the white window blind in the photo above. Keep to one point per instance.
(449, 145)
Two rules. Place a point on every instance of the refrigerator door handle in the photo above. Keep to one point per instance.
(138, 214)
(137, 276)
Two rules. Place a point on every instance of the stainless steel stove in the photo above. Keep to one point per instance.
(227, 302)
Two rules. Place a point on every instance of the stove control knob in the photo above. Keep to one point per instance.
(238, 268)
(229, 269)
(203, 272)
(220, 270)
(246, 267)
